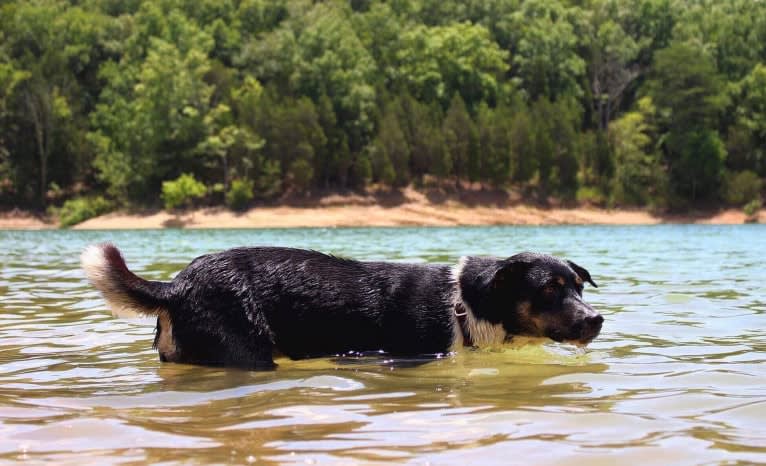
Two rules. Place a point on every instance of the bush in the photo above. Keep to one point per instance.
(751, 209)
(742, 187)
(590, 195)
(268, 182)
(182, 191)
(301, 174)
(240, 194)
(79, 209)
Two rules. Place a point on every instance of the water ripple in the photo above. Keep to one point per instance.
(676, 377)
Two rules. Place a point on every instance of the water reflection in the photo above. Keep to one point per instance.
(676, 376)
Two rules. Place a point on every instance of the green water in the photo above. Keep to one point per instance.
(678, 375)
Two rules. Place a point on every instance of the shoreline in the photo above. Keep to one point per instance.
(411, 208)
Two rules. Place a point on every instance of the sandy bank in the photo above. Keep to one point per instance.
(22, 220)
(407, 215)
(407, 208)
(404, 208)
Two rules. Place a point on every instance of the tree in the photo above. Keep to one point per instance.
(292, 133)
(420, 124)
(732, 33)
(555, 145)
(434, 63)
(460, 139)
(45, 108)
(523, 146)
(111, 98)
(226, 140)
(379, 29)
(613, 60)
(545, 49)
(229, 126)
(333, 159)
(150, 117)
(688, 94)
(52, 49)
(494, 138)
(747, 137)
(391, 158)
(639, 175)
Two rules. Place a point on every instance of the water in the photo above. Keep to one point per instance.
(677, 376)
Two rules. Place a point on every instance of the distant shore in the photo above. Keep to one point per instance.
(407, 208)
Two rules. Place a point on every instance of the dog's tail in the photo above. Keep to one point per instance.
(125, 293)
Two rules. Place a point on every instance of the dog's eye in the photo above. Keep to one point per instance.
(549, 290)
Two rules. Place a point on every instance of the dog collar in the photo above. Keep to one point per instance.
(461, 314)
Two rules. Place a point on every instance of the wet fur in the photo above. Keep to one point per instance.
(238, 307)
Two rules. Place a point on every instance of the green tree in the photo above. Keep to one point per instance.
(747, 137)
(612, 59)
(545, 49)
(292, 133)
(300, 174)
(460, 138)
(523, 146)
(619, 100)
(494, 156)
(732, 33)
(150, 120)
(688, 94)
(391, 158)
(420, 124)
(332, 61)
(639, 175)
(333, 159)
(182, 191)
(51, 49)
(555, 146)
(227, 141)
(434, 63)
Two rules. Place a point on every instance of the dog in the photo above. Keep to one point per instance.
(240, 307)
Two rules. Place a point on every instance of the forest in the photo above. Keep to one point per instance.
(131, 103)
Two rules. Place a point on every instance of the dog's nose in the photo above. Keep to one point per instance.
(592, 326)
(595, 321)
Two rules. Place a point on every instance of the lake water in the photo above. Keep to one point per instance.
(678, 375)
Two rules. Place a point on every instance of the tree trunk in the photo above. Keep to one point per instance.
(225, 160)
(39, 115)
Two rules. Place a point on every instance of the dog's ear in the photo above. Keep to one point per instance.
(509, 271)
(582, 273)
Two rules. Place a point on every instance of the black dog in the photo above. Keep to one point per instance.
(237, 307)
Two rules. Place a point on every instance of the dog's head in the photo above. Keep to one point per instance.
(532, 295)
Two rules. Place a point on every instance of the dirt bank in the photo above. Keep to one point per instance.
(404, 208)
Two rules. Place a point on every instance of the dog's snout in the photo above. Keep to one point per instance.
(595, 321)
(591, 327)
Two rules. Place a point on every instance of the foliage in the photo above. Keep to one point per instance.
(688, 93)
(434, 63)
(240, 194)
(752, 208)
(546, 43)
(747, 136)
(742, 187)
(590, 195)
(182, 191)
(301, 173)
(640, 102)
(639, 170)
(79, 209)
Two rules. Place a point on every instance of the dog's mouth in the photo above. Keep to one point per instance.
(581, 336)
(581, 342)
